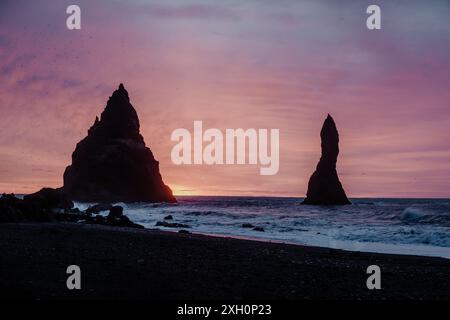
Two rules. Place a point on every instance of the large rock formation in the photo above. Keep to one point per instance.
(112, 164)
(51, 205)
(324, 187)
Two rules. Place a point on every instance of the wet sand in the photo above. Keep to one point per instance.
(123, 263)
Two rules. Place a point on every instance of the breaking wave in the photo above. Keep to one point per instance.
(410, 226)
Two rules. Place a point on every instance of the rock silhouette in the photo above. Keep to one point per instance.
(324, 187)
(43, 206)
(112, 164)
(53, 205)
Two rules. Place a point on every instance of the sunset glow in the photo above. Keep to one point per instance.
(233, 64)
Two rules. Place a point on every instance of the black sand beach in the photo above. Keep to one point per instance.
(123, 263)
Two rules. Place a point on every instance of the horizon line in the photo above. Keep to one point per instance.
(280, 196)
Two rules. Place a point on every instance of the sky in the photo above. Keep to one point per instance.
(234, 64)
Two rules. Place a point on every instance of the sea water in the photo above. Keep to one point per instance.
(401, 226)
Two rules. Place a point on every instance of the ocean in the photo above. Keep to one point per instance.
(400, 226)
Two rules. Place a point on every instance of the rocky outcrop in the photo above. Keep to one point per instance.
(115, 218)
(42, 206)
(324, 187)
(50, 199)
(112, 164)
(97, 208)
(52, 205)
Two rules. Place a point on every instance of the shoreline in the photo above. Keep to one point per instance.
(124, 263)
(416, 240)
(268, 240)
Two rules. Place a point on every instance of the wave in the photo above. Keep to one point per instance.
(366, 223)
(413, 214)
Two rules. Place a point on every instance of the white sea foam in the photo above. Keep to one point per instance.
(413, 214)
(401, 226)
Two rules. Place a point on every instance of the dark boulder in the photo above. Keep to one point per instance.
(247, 225)
(115, 218)
(118, 219)
(97, 208)
(324, 187)
(112, 164)
(50, 199)
(115, 212)
(169, 217)
(9, 198)
(260, 229)
(10, 209)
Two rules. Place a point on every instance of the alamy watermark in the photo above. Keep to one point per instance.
(74, 278)
(373, 22)
(73, 21)
(374, 280)
(235, 146)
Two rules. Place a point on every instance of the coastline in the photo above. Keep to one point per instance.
(124, 263)
(391, 249)
(394, 226)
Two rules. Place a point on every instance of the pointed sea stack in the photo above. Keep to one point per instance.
(324, 187)
(112, 164)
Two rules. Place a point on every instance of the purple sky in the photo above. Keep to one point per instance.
(231, 64)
